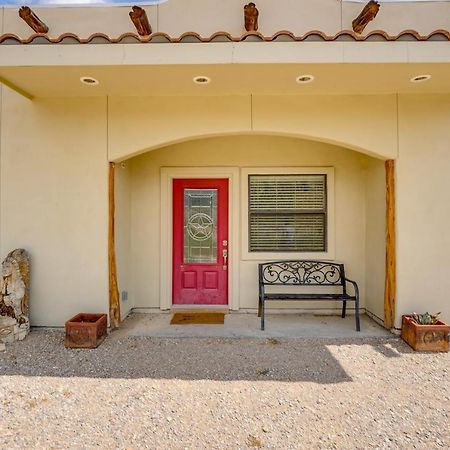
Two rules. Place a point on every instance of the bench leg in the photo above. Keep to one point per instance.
(358, 325)
(259, 307)
(344, 307)
(262, 314)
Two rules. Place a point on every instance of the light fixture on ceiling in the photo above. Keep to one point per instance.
(89, 81)
(201, 80)
(303, 79)
(420, 78)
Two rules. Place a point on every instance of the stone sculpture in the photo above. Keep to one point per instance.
(251, 14)
(14, 296)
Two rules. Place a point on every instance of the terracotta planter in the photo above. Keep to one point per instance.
(426, 338)
(86, 330)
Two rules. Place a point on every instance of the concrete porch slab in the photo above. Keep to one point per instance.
(242, 325)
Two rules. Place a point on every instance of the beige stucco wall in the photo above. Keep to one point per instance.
(365, 123)
(123, 235)
(423, 207)
(375, 205)
(245, 151)
(54, 201)
(54, 155)
(1, 183)
(206, 17)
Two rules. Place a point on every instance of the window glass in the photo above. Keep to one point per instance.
(287, 213)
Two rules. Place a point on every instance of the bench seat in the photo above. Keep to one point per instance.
(314, 297)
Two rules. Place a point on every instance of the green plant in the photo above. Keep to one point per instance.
(425, 319)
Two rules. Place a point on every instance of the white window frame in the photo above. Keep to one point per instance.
(329, 254)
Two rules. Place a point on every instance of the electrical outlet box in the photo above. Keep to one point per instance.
(124, 296)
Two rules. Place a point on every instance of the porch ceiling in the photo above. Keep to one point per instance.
(228, 79)
(236, 68)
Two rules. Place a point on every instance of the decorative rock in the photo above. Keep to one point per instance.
(14, 296)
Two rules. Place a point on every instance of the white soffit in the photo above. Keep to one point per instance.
(225, 53)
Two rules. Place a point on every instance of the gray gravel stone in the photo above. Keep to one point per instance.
(157, 393)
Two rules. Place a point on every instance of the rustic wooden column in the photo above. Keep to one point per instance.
(389, 288)
(114, 303)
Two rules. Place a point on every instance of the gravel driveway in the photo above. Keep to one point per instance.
(159, 393)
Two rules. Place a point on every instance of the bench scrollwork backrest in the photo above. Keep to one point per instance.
(302, 273)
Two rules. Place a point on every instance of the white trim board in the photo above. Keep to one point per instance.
(168, 174)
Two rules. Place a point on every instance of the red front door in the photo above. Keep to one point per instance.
(200, 242)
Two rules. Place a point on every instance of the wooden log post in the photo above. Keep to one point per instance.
(389, 289)
(114, 301)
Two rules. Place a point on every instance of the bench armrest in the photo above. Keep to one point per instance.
(260, 280)
(355, 286)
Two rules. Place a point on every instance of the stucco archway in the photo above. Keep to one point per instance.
(250, 150)
(364, 124)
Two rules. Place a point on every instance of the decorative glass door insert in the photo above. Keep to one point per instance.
(200, 226)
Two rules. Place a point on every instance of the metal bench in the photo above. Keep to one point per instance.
(305, 273)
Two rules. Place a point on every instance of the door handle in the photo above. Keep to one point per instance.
(225, 256)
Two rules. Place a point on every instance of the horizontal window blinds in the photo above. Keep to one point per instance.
(287, 212)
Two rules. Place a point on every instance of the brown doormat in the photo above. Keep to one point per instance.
(206, 318)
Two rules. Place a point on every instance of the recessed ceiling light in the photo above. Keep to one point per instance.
(302, 79)
(89, 81)
(201, 80)
(420, 78)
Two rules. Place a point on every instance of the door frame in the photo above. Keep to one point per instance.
(168, 174)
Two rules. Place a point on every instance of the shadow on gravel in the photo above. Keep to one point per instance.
(292, 360)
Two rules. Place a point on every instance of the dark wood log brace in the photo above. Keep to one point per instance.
(368, 13)
(251, 14)
(114, 300)
(32, 20)
(390, 277)
(140, 20)
(310, 274)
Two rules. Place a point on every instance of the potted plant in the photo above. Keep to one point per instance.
(86, 330)
(425, 332)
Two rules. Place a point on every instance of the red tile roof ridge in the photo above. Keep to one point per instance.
(193, 36)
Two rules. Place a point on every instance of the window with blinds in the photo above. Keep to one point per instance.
(287, 213)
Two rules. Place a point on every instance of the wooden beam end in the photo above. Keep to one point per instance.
(140, 20)
(368, 13)
(32, 20)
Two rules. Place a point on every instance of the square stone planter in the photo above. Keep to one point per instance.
(425, 338)
(86, 330)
